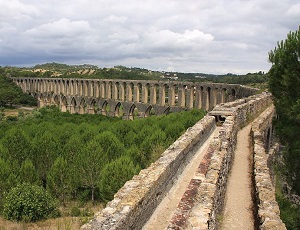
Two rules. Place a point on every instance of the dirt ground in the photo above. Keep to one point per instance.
(238, 212)
(62, 223)
(66, 223)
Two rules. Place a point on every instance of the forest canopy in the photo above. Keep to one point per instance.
(83, 157)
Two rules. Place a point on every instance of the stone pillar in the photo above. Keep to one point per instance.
(219, 96)
(198, 98)
(190, 97)
(145, 93)
(214, 97)
(153, 95)
(56, 87)
(85, 88)
(89, 88)
(92, 89)
(136, 94)
(108, 91)
(61, 87)
(75, 86)
(68, 87)
(162, 95)
(102, 89)
(204, 99)
(47, 86)
(35, 85)
(97, 93)
(171, 95)
(181, 96)
(80, 88)
(41, 86)
(51, 83)
(208, 98)
(128, 92)
(122, 92)
(115, 91)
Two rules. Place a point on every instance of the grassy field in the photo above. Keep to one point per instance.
(65, 222)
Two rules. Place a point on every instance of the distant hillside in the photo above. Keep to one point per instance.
(53, 69)
(59, 66)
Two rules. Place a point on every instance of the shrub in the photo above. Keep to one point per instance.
(28, 203)
(75, 211)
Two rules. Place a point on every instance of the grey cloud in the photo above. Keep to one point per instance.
(206, 36)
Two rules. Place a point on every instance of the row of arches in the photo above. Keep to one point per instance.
(81, 105)
(162, 93)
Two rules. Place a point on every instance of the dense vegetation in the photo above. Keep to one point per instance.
(12, 94)
(284, 85)
(258, 80)
(28, 203)
(82, 157)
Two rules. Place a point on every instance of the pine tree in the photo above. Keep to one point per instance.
(284, 83)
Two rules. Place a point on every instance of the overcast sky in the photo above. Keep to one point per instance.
(210, 36)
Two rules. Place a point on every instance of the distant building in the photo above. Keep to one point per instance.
(169, 76)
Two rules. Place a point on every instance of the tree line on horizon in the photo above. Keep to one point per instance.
(258, 79)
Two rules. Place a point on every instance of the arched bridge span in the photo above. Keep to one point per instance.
(129, 98)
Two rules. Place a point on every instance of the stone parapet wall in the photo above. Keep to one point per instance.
(243, 109)
(134, 203)
(211, 193)
(268, 212)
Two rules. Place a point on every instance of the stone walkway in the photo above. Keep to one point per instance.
(238, 212)
(161, 217)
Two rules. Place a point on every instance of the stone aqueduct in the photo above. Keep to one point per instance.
(129, 98)
(135, 202)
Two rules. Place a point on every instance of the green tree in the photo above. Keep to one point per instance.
(58, 179)
(89, 163)
(12, 94)
(284, 84)
(27, 202)
(17, 145)
(110, 144)
(46, 149)
(28, 173)
(8, 96)
(173, 130)
(157, 138)
(72, 149)
(114, 175)
(7, 178)
(136, 155)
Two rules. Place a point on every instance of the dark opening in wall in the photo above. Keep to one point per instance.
(219, 119)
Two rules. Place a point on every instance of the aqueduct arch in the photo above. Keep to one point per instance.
(111, 96)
